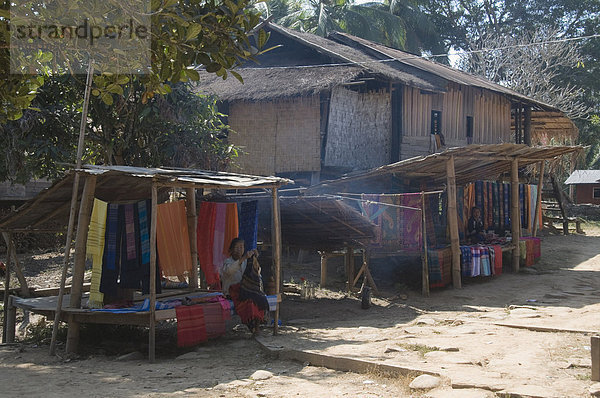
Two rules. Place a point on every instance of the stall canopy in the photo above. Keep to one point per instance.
(471, 163)
(49, 210)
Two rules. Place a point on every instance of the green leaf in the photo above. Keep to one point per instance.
(95, 92)
(262, 38)
(213, 67)
(107, 99)
(237, 76)
(193, 31)
(115, 89)
(192, 74)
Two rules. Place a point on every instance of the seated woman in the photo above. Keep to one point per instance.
(475, 226)
(244, 285)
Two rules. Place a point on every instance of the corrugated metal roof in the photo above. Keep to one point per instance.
(584, 177)
(49, 210)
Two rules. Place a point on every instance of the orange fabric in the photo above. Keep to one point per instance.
(172, 239)
(231, 226)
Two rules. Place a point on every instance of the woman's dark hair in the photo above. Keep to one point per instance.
(234, 242)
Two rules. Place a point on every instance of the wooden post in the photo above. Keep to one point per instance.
(72, 335)
(595, 344)
(425, 264)
(350, 266)
(453, 223)
(17, 268)
(6, 288)
(323, 269)
(10, 320)
(152, 319)
(527, 126)
(276, 243)
(538, 202)
(515, 215)
(192, 218)
(83, 225)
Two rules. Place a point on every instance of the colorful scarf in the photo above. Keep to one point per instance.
(191, 326)
(95, 250)
(206, 239)
(248, 218)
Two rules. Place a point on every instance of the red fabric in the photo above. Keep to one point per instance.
(172, 238)
(497, 259)
(215, 322)
(537, 246)
(191, 326)
(246, 309)
(445, 261)
(205, 236)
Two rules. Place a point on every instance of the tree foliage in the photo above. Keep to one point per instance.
(182, 129)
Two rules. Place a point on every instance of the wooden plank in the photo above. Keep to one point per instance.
(538, 201)
(192, 219)
(6, 287)
(152, 318)
(17, 267)
(453, 223)
(11, 322)
(276, 242)
(515, 216)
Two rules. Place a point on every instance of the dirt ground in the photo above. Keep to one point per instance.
(479, 339)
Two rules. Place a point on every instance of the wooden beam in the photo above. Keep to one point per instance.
(152, 320)
(18, 270)
(527, 126)
(515, 215)
(10, 318)
(276, 247)
(538, 202)
(192, 219)
(424, 259)
(83, 224)
(350, 266)
(453, 223)
(6, 289)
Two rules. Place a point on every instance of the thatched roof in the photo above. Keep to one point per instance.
(350, 58)
(270, 83)
(49, 210)
(471, 163)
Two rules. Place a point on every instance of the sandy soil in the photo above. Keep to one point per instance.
(460, 334)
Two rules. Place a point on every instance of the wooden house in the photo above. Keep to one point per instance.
(587, 186)
(314, 107)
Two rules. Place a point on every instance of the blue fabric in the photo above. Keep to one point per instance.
(466, 261)
(507, 206)
(144, 235)
(248, 223)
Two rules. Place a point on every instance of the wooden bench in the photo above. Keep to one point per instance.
(548, 222)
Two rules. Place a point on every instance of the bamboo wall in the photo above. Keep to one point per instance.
(490, 112)
(359, 129)
(277, 136)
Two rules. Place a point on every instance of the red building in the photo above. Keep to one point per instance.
(587, 186)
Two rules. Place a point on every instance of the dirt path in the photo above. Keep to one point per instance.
(460, 334)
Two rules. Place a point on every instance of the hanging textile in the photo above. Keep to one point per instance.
(479, 195)
(111, 258)
(214, 320)
(460, 209)
(495, 206)
(172, 239)
(144, 247)
(231, 227)
(476, 257)
(95, 250)
(501, 206)
(486, 269)
(373, 211)
(206, 239)
(131, 272)
(507, 196)
(497, 249)
(410, 222)
(219, 245)
(490, 206)
(248, 219)
(466, 261)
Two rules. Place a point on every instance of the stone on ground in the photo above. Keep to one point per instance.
(425, 382)
(595, 390)
(261, 375)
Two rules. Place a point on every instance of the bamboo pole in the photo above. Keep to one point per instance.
(75, 192)
(515, 217)
(83, 223)
(6, 289)
(527, 126)
(425, 264)
(192, 219)
(152, 320)
(276, 247)
(538, 202)
(350, 266)
(453, 223)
